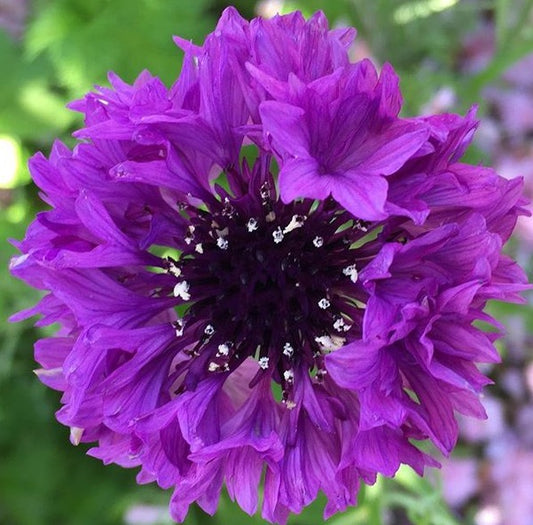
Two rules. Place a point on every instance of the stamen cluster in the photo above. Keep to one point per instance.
(262, 278)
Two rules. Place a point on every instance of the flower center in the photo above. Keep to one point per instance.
(272, 281)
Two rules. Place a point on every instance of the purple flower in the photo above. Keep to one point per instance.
(264, 271)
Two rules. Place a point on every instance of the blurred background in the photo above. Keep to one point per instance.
(450, 54)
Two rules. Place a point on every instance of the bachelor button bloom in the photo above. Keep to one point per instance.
(264, 274)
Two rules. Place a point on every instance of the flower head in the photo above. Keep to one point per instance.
(264, 272)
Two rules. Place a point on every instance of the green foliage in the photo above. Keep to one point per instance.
(84, 39)
(70, 45)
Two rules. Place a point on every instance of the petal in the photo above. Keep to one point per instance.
(285, 124)
(300, 178)
(362, 194)
(358, 364)
(389, 150)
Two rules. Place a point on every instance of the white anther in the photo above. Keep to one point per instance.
(265, 191)
(173, 269)
(199, 248)
(361, 227)
(341, 326)
(209, 329)
(337, 341)
(178, 326)
(213, 367)
(223, 349)
(288, 350)
(222, 243)
(290, 404)
(263, 363)
(325, 342)
(182, 290)
(251, 225)
(318, 242)
(278, 235)
(297, 221)
(324, 303)
(190, 236)
(351, 272)
(228, 210)
(288, 375)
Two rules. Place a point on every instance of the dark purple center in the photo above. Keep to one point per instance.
(272, 281)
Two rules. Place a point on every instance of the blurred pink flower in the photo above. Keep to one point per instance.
(513, 475)
(521, 73)
(13, 16)
(478, 49)
(482, 430)
(460, 480)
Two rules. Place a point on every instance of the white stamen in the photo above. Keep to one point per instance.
(330, 343)
(251, 225)
(341, 326)
(178, 326)
(324, 303)
(265, 191)
(263, 363)
(297, 221)
(325, 342)
(209, 329)
(223, 349)
(338, 341)
(288, 350)
(190, 236)
(288, 375)
(318, 242)
(228, 210)
(174, 270)
(361, 226)
(278, 235)
(182, 290)
(338, 324)
(199, 248)
(351, 272)
(213, 366)
(222, 243)
(290, 404)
